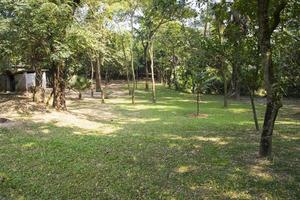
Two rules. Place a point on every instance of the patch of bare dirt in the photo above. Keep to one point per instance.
(18, 103)
(87, 115)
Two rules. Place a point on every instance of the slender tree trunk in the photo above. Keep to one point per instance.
(169, 78)
(175, 78)
(251, 92)
(107, 79)
(98, 76)
(236, 80)
(128, 81)
(137, 77)
(164, 78)
(99, 79)
(62, 87)
(146, 66)
(222, 61)
(56, 70)
(39, 91)
(126, 66)
(198, 102)
(174, 72)
(273, 94)
(49, 98)
(59, 100)
(152, 72)
(132, 62)
(92, 78)
(225, 88)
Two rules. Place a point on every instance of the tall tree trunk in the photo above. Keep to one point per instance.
(136, 77)
(176, 84)
(169, 78)
(175, 78)
(62, 88)
(128, 80)
(99, 79)
(225, 87)
(222, 59)
(98, 76)
(236, 80)
(49, 98)
(273, 95)
(238, 86)
(126, 67)
(55, 69)
(152, 72)
(164, 78)
(251, 92)
(198, 102)
(38, 90)
(107, 78)
(92, 78)
(146, 66)
(132, 62)
(159, 74)
(59, 100)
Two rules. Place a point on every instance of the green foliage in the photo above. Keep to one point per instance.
(79, 83)
(42, 33)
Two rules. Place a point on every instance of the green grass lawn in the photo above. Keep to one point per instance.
(153, 151)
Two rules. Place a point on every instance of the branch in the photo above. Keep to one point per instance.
(276, 15)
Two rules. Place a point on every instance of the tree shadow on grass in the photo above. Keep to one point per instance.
(154, 152)
(44, 160)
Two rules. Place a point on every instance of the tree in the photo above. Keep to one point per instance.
(80, 84)
(155, 14)
(267, 25)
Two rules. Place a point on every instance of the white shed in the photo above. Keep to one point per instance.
(20, 81)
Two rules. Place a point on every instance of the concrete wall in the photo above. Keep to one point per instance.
(30, 80)
(23, 82)
(20, 81)
(3, 81)
(44, 83)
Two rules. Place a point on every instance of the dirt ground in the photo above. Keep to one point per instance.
(86, 113)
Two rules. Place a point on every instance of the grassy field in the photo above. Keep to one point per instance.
(146, 151)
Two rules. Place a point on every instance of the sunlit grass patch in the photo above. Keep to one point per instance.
(118, 150)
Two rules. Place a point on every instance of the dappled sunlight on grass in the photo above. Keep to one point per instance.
(118, 150)
(237, 195)
(239, 110)
(28, 145)
(65, 119)
(46, 131)
(280, 122)
(138, 120)
(216, 140)
(185, 169)
(142, 107)
(289, 137)
(259, 172)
